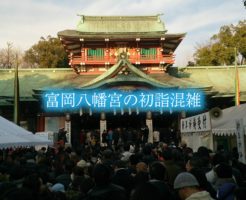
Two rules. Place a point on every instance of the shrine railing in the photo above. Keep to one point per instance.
(143, 59)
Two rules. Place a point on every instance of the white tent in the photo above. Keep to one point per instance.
(226, 124)
(12, 135)
(222, 126)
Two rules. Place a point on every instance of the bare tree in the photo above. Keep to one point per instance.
(8, 56)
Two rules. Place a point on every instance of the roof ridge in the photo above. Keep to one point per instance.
(108, 17)
(116, 68)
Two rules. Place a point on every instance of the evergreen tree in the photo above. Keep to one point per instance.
(47, 53)
(220, 49)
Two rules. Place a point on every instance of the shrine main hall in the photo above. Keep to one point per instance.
(116, 53)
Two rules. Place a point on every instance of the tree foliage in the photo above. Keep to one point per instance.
(221, 47)
(47, 53)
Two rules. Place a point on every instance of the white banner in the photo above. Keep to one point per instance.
(103, 126)
(240, 140)
(197, 123)
(149, 123)
(68, 129)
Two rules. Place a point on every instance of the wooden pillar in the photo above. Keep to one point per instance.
(82, 54)
(149, 123)
(85, 53)
(106, 51)
(40, 122)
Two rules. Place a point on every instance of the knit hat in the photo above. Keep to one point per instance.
(58, 187)
(185, 179)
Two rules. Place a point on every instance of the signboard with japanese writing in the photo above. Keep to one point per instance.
(149, 123)
(240, 140)
(68, 130)
(198, 123)
(114, 100)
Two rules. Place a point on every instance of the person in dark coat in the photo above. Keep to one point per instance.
(172, 169)
(146, 191)
(62, 138)
(157, 173)
(225, 184)
(104, 189)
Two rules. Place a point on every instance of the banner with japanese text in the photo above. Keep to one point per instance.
(198, 123)
(240, 139)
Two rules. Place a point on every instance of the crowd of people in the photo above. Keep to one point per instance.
(122, 171)
(120, 135)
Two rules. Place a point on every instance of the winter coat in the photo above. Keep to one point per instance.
(226, 191)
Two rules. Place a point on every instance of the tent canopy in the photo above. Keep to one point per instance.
(226, 124)
(12, 135)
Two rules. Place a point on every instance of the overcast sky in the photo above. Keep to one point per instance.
(23, 22)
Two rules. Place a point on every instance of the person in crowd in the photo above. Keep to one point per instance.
(172, 169)
(148, 154)
(157, 172)
(103, 188)
(110, 137)
(126, 154)
(203, 153)
(65, 177)
(187, 187)
(216, 160)
(116, 136)
(141, 176)
(146, 191)
(145, 134)
(193, 162)
(156, 137)
(223, 158)
(225, 184)
(62, 137)
(104, 138)
(236, 164)
(202, 180)
(97, 172)
(122, 176)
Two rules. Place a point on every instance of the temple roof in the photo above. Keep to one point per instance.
(119, 28)
(41, 79)
(123, 72)
(219, 79)
(72, 38)
(123, 24)
(222, 78)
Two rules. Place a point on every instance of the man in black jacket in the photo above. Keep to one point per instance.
(104, 189)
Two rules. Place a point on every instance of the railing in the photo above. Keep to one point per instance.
(143, 59)
(148, 57)
(95, 58)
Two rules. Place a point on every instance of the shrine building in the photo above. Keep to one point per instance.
(123, 53)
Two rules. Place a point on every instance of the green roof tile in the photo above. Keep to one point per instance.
(126, 24)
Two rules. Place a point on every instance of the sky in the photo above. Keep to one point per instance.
(23, 22)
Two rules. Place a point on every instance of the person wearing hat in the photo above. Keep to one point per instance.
(188, 188)
(83, 165)
(58, 187)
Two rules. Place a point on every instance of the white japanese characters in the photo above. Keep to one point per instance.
(116, 100)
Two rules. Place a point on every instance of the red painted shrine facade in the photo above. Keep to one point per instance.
(98, 41)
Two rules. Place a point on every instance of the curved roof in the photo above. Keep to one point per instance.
(128, 24)
(112, 76)
(119, 29)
